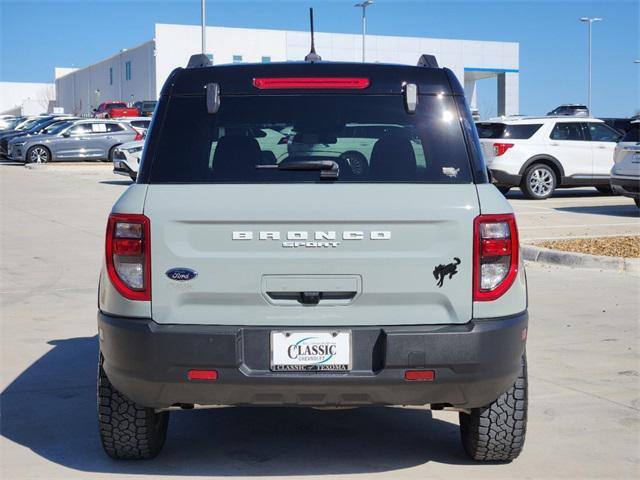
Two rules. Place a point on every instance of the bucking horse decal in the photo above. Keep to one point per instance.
(441, 271)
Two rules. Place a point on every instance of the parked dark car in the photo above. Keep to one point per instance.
(622, 125)
(39, 128)
(146, 107)
(570, 109)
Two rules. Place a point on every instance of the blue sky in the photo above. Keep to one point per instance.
(36, 36)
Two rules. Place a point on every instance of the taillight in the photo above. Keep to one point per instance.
(320, 83)
(128, 255)
(500, 148)
(138, 135)
(495, 254)
(284, 140)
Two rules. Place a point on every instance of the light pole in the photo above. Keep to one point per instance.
(590, 22)
(203, 28)
(364, 6)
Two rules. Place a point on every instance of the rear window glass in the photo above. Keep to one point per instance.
(501, 130)
(633, 135)
(255, 139)
(116, 105)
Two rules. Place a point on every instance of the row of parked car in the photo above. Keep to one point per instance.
(47, 138)
(122, 110)
(540, 154)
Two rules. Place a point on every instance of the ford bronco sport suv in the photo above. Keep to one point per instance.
(232, 277)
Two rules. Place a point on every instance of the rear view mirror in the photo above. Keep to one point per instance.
(66, 134)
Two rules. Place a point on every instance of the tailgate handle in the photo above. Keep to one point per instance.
(311, 298)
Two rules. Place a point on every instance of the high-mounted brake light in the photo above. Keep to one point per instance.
(501, 148)
(318, 83)
(495, 255)
(128, 255)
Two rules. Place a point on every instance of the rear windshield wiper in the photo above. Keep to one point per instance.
(328, 168)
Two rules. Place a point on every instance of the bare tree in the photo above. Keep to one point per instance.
(46, 97)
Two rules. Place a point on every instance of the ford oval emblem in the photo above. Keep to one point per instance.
(181, 274)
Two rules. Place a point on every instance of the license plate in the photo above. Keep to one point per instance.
(310, 351)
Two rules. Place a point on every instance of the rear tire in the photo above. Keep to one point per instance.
(497, 432)
(110, 154)
(128, 430)
(539, 182)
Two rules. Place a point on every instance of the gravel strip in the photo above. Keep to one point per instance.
(627, 247)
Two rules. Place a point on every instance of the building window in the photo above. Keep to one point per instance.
(237, 59)
(110, 75)
(210, 57)
(266, 59)
(127, 71)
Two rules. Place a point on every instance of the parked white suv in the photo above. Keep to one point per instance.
(540, 154)
(625, 174)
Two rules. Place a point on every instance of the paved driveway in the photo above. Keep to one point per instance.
(574, 213)
(583, 356)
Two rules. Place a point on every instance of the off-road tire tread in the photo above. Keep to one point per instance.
(497, 432)
(128, 430)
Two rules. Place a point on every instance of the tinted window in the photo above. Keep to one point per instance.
(141, 123)
(56, 127)
(81, 129)
(114, 127)
(633, 135)
(427, 146)
(500, 130)
(567, 131)
(599, 132)
(116, 105)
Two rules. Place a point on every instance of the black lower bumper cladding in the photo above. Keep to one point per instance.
(473, 364)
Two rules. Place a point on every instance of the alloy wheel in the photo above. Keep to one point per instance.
(541, 182)
(39, 155)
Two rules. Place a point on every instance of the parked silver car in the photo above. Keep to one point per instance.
(89, 139)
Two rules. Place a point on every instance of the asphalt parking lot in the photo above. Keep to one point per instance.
(583, 351)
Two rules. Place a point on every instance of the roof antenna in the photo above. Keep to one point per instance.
(312, 56)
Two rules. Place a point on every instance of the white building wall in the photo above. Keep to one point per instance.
(13, 95)
(174, 44)
(84, 89)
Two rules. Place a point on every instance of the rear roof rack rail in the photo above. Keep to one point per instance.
(428, 61)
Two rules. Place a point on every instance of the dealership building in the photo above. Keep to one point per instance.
(138, 73)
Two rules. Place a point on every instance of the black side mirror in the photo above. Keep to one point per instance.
(66, 134)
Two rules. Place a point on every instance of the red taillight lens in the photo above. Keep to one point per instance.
(138, 136)
(128, 255)
(283, 141)
(496, 255)
(500, 148)
(319, 83)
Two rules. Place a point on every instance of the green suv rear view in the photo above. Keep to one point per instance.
(312, 234)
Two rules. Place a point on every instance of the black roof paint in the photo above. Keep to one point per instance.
(385, 79)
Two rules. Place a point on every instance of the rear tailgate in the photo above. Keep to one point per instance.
(123, 112)
(417, 269)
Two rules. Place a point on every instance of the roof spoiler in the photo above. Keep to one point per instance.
(199, 60)
(429, 61)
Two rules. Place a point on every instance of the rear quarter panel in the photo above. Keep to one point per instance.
(515, 299)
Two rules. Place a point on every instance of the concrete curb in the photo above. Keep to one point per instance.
(580, 260)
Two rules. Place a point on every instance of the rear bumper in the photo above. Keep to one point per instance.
(627, 186)
(474, 363)
(501, 177)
